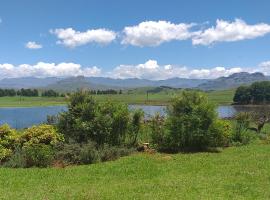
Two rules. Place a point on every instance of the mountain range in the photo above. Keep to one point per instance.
(102, 83)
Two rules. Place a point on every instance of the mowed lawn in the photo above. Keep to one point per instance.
(235, 173)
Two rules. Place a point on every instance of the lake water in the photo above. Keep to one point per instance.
(25, 117)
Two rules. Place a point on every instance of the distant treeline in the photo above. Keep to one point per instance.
(256, 93)
(28, 93)
(105, 91)
(48, 93)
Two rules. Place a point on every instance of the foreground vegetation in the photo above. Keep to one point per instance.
(236, 173)
(138, 97)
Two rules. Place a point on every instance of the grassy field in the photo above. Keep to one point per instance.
(218, 97)
(31, 101)
(235, 173)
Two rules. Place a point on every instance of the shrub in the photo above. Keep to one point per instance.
(108, 153)
(242, 133)
(89, 154)
(8, 136)
(42, 134)
(38, 155)
(136, 124)
(8, 140)
(158, 131)
(4, 153)
(87, 120)
(17, 159)
(69, 153)
(75, 153)
(192, 123)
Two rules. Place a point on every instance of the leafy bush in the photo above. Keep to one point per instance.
(75, 153)
(157, 124)
(192, 124)
(88, 153)
(8, 136)
(87, 120)
(108, 153)
(8, 140)
(17, 159)
(136, 124)
(242, 133)
(4, 153)
(38, 155)
(69, 153)
(42, 134)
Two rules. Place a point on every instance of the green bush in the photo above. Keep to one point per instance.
(17, 159)
(8, 140)
(157, 126)
(242, 134)
(108, 153)
(192, 124)
(42, 134)
(88, 153)
(68, 153)
(38, 155)
(75, 153)
(136, 125)
(4, 154)
(87, 120)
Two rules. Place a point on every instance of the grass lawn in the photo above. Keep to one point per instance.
(236, 173)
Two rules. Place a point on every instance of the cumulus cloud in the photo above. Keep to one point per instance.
(226, 31)
(153, 71)
(72, 38)
(33, 45)
(43, 69)
(153, 33)
(264, 67)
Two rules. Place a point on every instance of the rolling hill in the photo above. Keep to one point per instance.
(103, 83)
(233, 81)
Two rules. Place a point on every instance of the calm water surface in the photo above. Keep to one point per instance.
(25, 117)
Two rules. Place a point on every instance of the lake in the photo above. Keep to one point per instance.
(24, 117)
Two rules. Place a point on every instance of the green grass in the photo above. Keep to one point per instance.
(218, 97)
(235, 173)
(221, 97)
(31, 101)
(162, 98)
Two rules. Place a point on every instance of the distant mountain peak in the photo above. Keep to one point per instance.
(233, 81)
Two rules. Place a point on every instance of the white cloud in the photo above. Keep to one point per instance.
(33, 45)
(42, 69)
(152, 70)
(226, 31)
(153, 33)
(72, 38)
(265, 67)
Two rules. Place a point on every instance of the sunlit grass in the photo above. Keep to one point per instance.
(235, 173)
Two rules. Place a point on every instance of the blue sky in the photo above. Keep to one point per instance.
(143, 39)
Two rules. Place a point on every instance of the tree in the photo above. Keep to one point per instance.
(242, 95)
(191, 123)
(87, 120)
